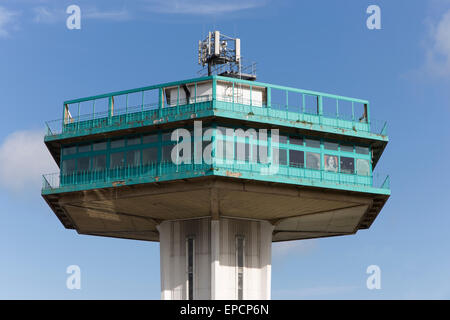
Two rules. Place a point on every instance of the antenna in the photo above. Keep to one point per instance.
(221, 55)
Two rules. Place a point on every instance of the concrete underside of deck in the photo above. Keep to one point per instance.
(135, 211)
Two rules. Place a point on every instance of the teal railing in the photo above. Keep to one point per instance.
(163, 171)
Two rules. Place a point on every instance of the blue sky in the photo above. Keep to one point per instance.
(402, 69)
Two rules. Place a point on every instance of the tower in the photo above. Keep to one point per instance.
(216, 168)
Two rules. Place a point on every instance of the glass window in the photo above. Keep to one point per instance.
(190, 267)
(118, 143)
(362, 167)
(99, 146)
(69, 150)
(313, 160)
(117, 160)
(167, 152)
(347, 165)
(331, 145)
(296, 158)
(240, 267)
(83, 164)
(282, 156)
(312, 143)
(296, 141)
(69, 166)
(84, 148)
(362, 150)
(166, 136)
(149, 156)
(331, 162)
(282, 139)
(99, 162)
(346, 148)
(133, 158)
(151, 138)
(133, 141)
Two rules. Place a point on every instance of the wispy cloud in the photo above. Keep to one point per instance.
(53, 15)
(202, 7)
(7, 18)
(24, 158)
(438, 47)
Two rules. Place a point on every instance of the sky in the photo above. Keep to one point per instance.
(403, 69)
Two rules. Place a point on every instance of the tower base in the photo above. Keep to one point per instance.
(225, 259)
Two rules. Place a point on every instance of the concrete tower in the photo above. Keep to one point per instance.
(216, 168)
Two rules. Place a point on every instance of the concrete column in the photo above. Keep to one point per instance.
(215, 258)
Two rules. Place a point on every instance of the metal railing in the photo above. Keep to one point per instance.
(171, 171)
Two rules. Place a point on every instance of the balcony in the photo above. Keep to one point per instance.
(165, 171)
(183, 100)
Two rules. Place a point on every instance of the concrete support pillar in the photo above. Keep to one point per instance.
(215, 258)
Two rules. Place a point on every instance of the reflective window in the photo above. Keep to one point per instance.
(346, 148)
(151, 138)
(312, 143)
(166, 136)
(282, 156)
(362, 167)
(166, 153)
(331, 146)
(84, 148)
(296, 158)
(117, 160)
(313, 160)
(282, 139)
(69, 150)
(133, 158)
(118, 143)
(69, 166)
(347, 165)
(331, 162)
(296, 141)
(362, 150)
(99, 162)
(133, 141)
(149, 156)
(83, 164)
(99, 146)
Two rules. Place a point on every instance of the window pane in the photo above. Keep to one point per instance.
(282, 139)
(282, 156)
(312, 143)
(296, 141)
(347, 165)
(331, 163)
(331, 145)
(313, 160)
(346, 148)
(69, 166)
(99, 146)
(133, 158)
(296, 158)
(84, 148)
(151, 138)
(362, 150)
(166, 136)
(118, 143)
(133, 141)
(363, 167)
(117, 160)
(69, 150)
(166, 153)
(83, 164)
(99, 162)
(149, 156)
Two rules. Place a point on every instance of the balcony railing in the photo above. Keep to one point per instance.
(163, 171)
(136, 115)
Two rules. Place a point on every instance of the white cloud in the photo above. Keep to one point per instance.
(52, 15)
(282, 249)
(114, 15)
(202, 7)
(438, 50)
(6, 21)
(24, 158)
(46, 15)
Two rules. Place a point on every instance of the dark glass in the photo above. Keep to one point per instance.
(296, 158)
